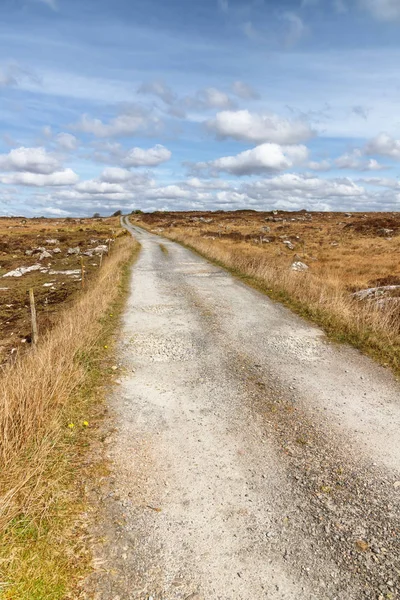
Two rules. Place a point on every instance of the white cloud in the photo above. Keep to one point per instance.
(355, 161)
(56, 178)
(116, 175)
(244, 91)
(245, 126)
(384, 145)
(160, 89)
(262, 159)
(139, 157)
(93, 186)
(383, 10)
(214, 98)
(302, 187)
(33, 160)
(128, 123)
(67, 141)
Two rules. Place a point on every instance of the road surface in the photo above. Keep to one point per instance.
(251, 458)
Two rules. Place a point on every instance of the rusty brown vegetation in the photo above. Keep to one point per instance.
(50, 402)
(344, 253)
(18, 236)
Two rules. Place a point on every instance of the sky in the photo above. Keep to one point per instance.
(198, 105)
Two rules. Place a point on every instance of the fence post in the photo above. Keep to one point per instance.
(35, 330)
(83, 272)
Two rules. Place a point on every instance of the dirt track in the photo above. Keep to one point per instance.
(252, 458)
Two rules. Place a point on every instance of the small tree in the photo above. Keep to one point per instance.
(117, 213)
(96, 216)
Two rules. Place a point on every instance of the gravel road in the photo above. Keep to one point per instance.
(251, 458)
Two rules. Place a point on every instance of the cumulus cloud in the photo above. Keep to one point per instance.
(139, 157)
(244, 91)
(116, 175)
(384, 145)
(245, 126)
(129, 122)
(67, 141)
(33, 160)
(261, 159)
(302, 187)
(37, 179)
(355, 161)
(383, 10)
(159, 89)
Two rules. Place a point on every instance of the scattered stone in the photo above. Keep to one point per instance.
(69, 272)
(299, 266)
(28, 252)
(45, 254)
(288, 244)
(102, 249)
(22, 271)
(375, 292)
(52, 242)
(57, 251)
(76, 250)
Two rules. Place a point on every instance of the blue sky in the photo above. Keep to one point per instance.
(179, 104)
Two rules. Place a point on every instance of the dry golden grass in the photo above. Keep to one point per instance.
(45, 399)
(344, 254)
(18, 235)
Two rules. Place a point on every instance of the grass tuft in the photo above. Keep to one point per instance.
(50, 413)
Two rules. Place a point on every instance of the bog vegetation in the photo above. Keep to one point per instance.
(49, 404)
(339, 270)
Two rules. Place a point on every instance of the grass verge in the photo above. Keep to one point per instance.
(50, 412)
(322, 300)
(164, 249)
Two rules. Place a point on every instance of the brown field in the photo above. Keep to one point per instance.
(344, 253)
(52, 291)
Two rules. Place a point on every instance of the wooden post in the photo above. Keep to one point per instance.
(83, 272)
(101, 259)
(35, 330)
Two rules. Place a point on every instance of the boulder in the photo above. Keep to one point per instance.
(72, 251)
(45, 254)
(299, 266)
(22, 271)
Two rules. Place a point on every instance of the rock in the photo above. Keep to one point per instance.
(375, 292)
(102, 249)
(396, 485)
(70, 272)
(28, 252)
(22, 271)
(299, 266)
(71, 251)
(88, 252)
(45, 254)
(288, 244)
(57, 251)
(52, 242)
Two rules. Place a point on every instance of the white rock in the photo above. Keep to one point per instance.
(56, 250)
(52, 242)
(22, 271)
(76, 250)
(45, 254)
(70, 272)
(289, 244)
(100, 249)
(28, 252)
(299, 266)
